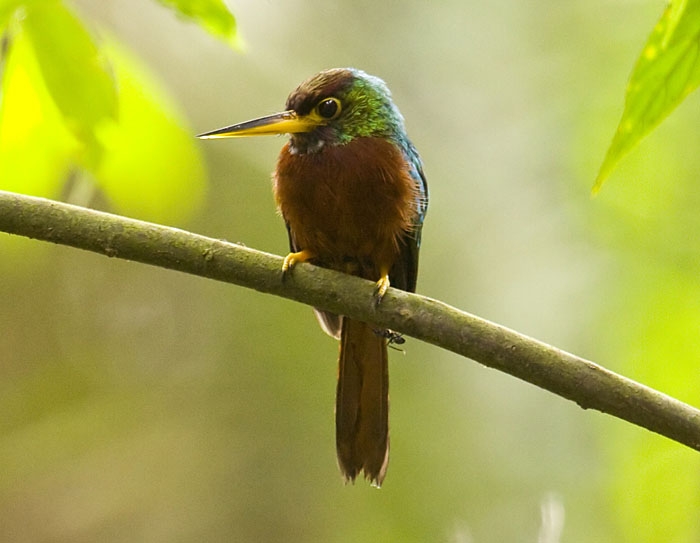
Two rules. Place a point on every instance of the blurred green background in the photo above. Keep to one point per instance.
(138, 404)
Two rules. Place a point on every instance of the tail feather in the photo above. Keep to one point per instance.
(362, 403)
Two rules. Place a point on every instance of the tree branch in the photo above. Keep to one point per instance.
(569, 376)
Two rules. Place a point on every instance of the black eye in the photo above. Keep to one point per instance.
(328, 108)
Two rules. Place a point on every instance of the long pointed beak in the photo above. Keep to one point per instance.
(287, 122)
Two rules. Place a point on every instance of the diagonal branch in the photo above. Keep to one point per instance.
(587, 384)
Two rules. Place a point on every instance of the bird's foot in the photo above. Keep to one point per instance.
(294, 258)
(382, 286)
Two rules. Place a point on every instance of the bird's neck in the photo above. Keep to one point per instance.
(321, 139)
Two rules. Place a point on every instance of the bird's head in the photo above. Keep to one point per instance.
(331, 108)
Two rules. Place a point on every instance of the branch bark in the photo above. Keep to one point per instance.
(589, 385)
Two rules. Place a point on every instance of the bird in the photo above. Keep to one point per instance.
(351, 189)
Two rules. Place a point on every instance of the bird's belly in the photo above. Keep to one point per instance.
(351, 202)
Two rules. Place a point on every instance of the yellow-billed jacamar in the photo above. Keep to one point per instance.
(351, 189)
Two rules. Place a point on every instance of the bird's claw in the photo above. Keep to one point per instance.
(382, 287)
(293, 258)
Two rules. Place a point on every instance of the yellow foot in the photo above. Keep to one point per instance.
(293, 258)
(382, 286)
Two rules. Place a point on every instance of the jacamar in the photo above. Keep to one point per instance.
(351, 189)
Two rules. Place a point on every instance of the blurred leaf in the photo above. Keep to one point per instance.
(57, 97)
(7, 7)
(212, 15)
(683, 22)
(74, 72)
(676, 10)
(666, 72)
(152, 167)
(36, 149)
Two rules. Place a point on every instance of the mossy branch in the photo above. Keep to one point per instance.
(589, 385)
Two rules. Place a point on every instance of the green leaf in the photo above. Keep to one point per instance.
(7, 8)
(150, 164)
(151, 167)
(73, 70)
(676, 10)
(212, 15)
(667, 70)
(36, 149)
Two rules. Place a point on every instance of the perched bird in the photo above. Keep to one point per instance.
(351, 189)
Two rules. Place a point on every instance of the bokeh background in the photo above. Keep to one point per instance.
(138, 404)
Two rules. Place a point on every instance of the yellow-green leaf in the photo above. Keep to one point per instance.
(667, 70)
(151, 166)
(212, 15)
(7, 7)
(36, 149)
(74, 72)
(676, 10)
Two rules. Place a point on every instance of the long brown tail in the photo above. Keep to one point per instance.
(362, 403)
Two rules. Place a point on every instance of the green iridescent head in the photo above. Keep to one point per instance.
(331, 108)
(349, 104)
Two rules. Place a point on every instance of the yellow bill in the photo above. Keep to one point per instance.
(287, 122)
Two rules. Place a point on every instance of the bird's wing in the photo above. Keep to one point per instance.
(404, 272)
(293, 245)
